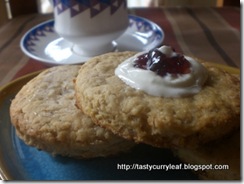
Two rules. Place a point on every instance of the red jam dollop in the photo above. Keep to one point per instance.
(162, 64)
(163, 72)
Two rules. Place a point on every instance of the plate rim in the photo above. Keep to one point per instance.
(159, 30)
(4, 174)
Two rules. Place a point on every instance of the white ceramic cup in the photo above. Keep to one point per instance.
(91, 25)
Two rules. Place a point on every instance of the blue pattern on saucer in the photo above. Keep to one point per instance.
(141, 35)
(41, 31)
(141, 25)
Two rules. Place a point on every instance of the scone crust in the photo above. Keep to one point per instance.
(161, 122)
(45, 116)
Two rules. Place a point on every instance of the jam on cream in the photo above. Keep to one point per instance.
(163, 72)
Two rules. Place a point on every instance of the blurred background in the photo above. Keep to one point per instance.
(45, 7)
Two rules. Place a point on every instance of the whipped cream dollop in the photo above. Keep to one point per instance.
(163, 72)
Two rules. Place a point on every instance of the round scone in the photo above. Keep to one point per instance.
(159, 121)
(45, 116)
(216, 161)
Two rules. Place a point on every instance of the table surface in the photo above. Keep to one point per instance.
(211, 34)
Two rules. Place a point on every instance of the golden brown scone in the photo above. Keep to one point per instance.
(212, 157)
(158, 121)
(45, 116)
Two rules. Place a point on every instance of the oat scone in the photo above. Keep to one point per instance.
(215, 161)
(45, 116)
(158, 121)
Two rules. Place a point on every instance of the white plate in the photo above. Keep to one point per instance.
(45, 45)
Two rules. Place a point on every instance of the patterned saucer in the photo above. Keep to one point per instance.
(43, 44)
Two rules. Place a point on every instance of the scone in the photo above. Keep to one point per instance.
(186, 121)
(45, 116)
(215, 161)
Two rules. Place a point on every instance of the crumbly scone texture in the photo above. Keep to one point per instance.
(221, 159)
(45, 116)
(162, 122)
